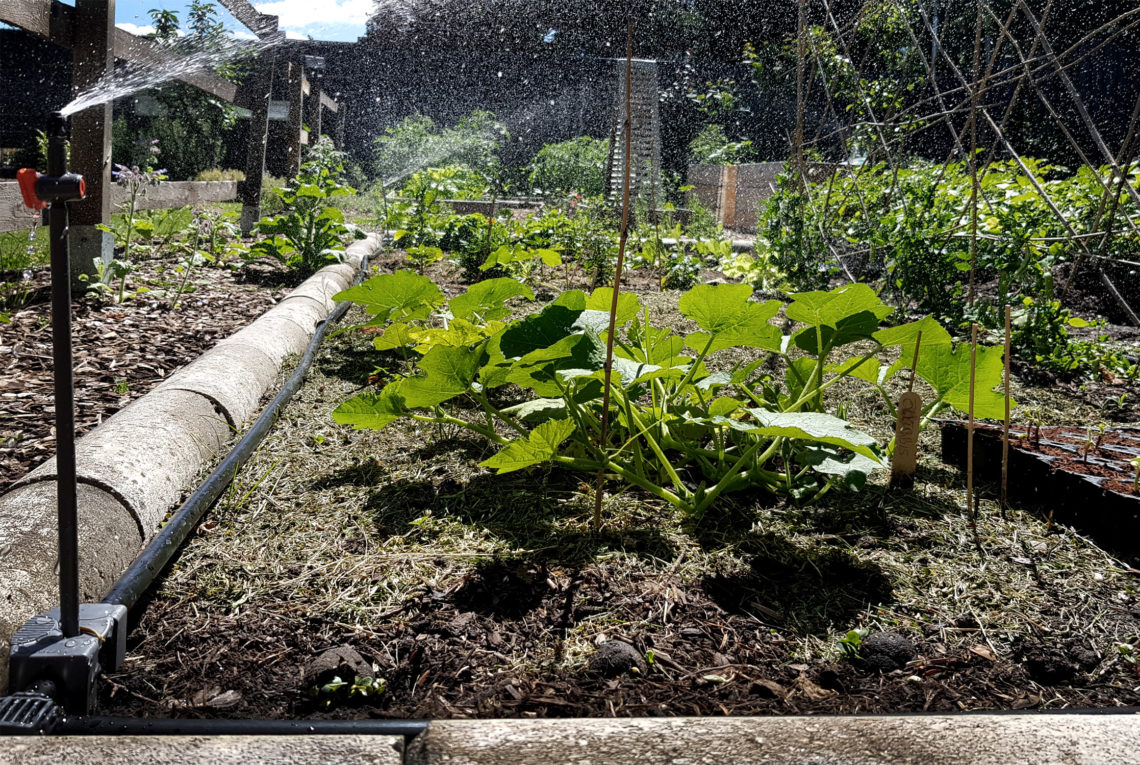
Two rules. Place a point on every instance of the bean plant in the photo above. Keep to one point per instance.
(688, 423)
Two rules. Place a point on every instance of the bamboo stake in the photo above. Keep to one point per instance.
(1005, 432)
(975, 187)
(600, 483)
(971, 510)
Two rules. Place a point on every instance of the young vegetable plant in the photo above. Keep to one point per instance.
(679, 431)
(309, 234)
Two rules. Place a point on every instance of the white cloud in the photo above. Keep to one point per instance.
(135, 29)
(291, 35)
(300, 14)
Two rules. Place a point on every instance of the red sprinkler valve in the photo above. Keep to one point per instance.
(41, 190)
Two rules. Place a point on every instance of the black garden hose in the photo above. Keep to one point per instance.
(154, 726)
(151, 562)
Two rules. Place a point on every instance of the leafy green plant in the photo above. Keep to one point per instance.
(576, 166)
(712, 147)
(338, 690)
(756, 270)
(126, 230)
(310, 233)
(682, 269)
(522, 262)
(680, 432)
(423, 256)
(852, 641)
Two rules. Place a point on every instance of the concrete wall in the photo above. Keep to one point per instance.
(736, 192)
(14, 216)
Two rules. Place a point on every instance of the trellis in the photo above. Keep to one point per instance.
(977, 128)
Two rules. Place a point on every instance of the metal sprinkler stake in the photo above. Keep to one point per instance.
(56, 656)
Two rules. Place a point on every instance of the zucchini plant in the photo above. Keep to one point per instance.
(686, 427)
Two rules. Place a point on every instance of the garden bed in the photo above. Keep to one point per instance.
(1082, 474)
(466, 594)
(121, 350)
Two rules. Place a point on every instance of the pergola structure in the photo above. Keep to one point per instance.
(89, 31)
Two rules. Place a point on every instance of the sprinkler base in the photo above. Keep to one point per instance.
(42, 656)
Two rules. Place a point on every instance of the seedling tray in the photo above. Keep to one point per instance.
(1063, 470)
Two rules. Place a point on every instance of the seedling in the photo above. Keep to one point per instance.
(1135, 462)
(852, 641)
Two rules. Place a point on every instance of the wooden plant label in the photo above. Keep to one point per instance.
(905, 458)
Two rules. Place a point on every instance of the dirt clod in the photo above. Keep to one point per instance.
(615, 658)
(886, 651)
(1050, 665)
(343, 662)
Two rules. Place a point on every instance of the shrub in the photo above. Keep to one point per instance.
(218, 174)
(576, 166)
(712, 147)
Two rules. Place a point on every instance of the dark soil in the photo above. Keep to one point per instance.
(1103, 455)
(455, 654)
(121, 351)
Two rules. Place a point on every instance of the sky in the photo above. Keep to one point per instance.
(320, 19)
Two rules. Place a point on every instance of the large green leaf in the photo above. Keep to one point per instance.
(601, 299)
(541, 444)
(844, 315)
(537, 369)
(371, 411)
(947, 369)
(905, 334)
(948, 372)
(459, 333)
(729, 317)
(448, 372)
(541, 330)
(396, 335)
(399, 295)
(813, 426)
(830, 309)
(487, 299)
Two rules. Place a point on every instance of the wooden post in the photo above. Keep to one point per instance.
(970, 430)
(340, 110)
(296, 111)
(1005, 429)
(313, 108)
(93, 56)
(260, 89)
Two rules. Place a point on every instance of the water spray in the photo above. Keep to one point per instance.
(56, 656)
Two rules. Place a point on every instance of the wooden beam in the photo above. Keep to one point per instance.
(55, 22)
(140, 50)
(257, 90)
(92, 59)
(296, 115)
(328, 103)
(43, 18)
(313, 111)
(260, 24)
(306, 88)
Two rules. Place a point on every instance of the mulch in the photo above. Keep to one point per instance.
(456, 654)
(121, 351)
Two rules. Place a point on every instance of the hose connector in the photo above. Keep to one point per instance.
(40, 190)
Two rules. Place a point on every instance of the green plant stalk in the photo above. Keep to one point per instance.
(135, 189)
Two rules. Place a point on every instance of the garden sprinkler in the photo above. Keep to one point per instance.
(56, 656)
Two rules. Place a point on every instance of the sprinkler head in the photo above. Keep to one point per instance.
(41, 190)
(58, 185)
